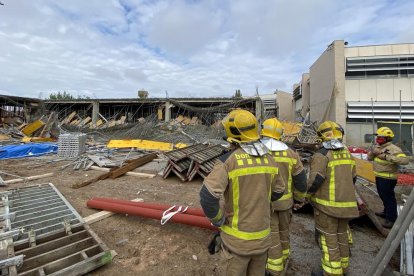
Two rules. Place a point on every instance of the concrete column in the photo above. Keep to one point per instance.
(168, 107)
(95, 111)
(259, 110)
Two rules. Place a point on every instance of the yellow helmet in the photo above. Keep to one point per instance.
(241, 125)
(272, 128)
(329, 130)
(385, 132)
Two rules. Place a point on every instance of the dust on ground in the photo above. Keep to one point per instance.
(145, 247)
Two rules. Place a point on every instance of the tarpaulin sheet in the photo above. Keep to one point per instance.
(27, 150)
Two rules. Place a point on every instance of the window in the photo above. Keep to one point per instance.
(380, 67)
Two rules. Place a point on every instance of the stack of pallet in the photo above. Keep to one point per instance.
(187, 162)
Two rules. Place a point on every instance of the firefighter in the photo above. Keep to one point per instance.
(387, 157)
(293, 173)
(247, 180)
(332, 194)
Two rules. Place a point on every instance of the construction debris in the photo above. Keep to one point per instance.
(24, 179)
(141, 144)
(187, 162)
(43, 235)
(116, 172)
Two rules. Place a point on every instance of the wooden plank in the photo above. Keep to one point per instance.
(69, 118)
(144, 175)
(90, 181)
(371, 215)
(133, 164)
(28, 178)
(104, 214)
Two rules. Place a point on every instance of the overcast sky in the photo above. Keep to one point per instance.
(113, 48)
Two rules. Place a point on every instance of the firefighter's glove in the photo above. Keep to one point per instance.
(215, 244)
(298, 204)
(220, 222)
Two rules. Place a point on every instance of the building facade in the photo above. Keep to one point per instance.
(359, 86)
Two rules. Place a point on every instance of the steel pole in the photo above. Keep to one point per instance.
(393, 239)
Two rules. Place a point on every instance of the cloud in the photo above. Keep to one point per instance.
(188, 48)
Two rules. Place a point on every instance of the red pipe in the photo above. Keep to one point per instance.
(190, 211)
(150, 213)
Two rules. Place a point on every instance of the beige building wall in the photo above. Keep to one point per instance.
(380, 50)
(355, 134)
(327, 85)
(380, 89)
(285, 105)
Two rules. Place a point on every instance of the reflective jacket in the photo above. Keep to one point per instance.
(290, 165)
(386, 163)
(247, 184)
(331, 181)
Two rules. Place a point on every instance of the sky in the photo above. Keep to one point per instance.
(186, 48)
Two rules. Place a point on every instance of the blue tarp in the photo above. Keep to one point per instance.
(27, 150)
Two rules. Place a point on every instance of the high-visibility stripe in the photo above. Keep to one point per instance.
(291, 162)
(386, 175)
(218, 216)
(380, 161)
(236, 195)
(334, 204)
(350, 239)
(286, 253)
(245, 235)
(330, 267)
(251, 171)
(275, 264)
(234, 176)
(332, 185)
(401, 155)
(286, 196)
(345, 262)
(331, 202)
(340, 162)
(286, 160)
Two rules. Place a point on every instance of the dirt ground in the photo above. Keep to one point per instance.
(145, 247)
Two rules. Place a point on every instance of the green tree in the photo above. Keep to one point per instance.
(61, 96)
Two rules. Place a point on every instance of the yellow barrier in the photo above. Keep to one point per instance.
(365, 169)
(31, 128)
(144, 144)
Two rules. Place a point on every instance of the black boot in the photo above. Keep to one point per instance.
(388, 224)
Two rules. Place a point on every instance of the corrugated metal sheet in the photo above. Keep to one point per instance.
(381, 110)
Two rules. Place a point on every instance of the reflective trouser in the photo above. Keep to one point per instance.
(285, 217)
(236, 265)
(334, 243)
(275, 258)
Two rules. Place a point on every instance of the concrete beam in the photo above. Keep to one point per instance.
(95, 112)
(168, 107)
